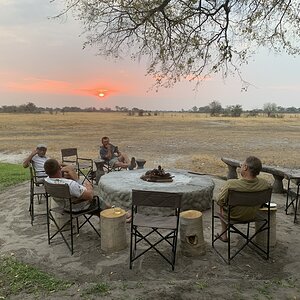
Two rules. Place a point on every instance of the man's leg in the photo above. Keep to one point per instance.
(124, 158)
(131, 165)
(223, 236)
(122, 165)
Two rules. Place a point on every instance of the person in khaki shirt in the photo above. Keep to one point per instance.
(249, 182)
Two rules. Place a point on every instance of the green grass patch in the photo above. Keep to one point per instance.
(202, 284)
(11, 174)
(17, 277)
(99, 288)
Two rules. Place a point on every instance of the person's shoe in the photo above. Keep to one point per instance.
(132, 164)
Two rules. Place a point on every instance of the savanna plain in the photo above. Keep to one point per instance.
(190, 141)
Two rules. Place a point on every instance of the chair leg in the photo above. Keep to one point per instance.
(72, 241)
(228, 244)
(32, 209)
(48, 219)
(131, 248)
(296, 206)
(213, 223)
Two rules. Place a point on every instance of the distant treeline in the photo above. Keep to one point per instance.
(214, 109)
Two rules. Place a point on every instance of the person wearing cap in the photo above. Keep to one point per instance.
(37, 158)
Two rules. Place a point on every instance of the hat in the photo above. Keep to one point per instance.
(42, 146)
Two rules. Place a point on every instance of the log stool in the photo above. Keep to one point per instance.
(140, 163)
(113, 232)
(261, 238)
(191, 233)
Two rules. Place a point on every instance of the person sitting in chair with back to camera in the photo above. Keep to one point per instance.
(114, 157)
(83, 193)
(249, 182)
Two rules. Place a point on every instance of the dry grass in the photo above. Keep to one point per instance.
(189, 141)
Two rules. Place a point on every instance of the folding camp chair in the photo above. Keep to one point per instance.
(244, 199)
(60, 192)
(143, 227)
(292, 195)
(37, 190)
(109, 168)
(83, 166)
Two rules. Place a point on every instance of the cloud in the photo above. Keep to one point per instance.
(38, 85)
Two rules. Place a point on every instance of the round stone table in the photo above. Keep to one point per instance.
(115, 188)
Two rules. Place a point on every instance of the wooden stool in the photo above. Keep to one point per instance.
(113, 232)
(191, 233)
(261, 238)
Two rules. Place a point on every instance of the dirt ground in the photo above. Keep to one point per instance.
(191, 142)
(173, 140)
(204, 277)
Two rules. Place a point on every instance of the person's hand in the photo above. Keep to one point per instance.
(34, 152)
(69, 172)
(87, 184)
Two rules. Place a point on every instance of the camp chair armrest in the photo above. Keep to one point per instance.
(86, 159)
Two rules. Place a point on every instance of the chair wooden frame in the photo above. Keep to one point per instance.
(37, 190)
(236, 198)
(61, 192)
(292, 195)
(70, 156)
(154, 224)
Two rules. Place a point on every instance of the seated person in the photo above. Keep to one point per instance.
(83, 193)
(248, 183)
(114, 157)
(37, 157)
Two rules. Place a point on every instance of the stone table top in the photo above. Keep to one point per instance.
(197, 190)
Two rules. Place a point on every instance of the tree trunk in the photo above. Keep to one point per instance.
(191, 233)
(113, 233)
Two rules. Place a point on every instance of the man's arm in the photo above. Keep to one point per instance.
(27, 161)
(107, 153)
(88, 194)
(223, 195)
(87, 188)
(69, 172)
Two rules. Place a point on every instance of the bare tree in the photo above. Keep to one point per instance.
(270, 109)
(215, 108)
(188, 39)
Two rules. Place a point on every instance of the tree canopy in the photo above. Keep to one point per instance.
(188, 39)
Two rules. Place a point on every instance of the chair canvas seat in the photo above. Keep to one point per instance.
(236, 198)
(255, 219)
(155, 221)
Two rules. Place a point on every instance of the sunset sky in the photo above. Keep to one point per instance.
(42, 61)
